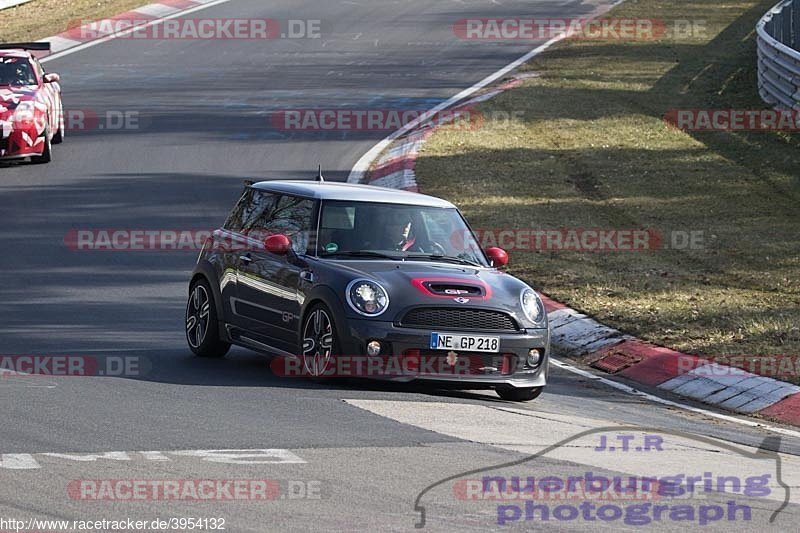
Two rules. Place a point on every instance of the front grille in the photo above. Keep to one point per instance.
(458, 319)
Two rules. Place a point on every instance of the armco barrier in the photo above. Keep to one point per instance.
(778, 55)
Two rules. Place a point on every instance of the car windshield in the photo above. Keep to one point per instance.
(396, 231)
(16, 72)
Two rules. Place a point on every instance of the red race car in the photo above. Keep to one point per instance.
(31, 116)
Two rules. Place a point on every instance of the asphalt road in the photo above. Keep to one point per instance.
(203, 123)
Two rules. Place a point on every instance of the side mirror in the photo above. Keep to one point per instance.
(277, 244)
(51, 78)
(497, 256)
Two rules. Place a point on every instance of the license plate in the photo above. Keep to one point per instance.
(466, 343)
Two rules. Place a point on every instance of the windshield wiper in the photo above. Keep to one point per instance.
(363, 253)
(445, 258)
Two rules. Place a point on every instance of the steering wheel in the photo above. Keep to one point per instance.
(437, 248)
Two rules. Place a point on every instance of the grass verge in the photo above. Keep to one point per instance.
(43, 18)
(588, 147)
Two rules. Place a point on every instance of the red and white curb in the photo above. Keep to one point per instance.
(577, 335)
(147, 14)
(687, 375)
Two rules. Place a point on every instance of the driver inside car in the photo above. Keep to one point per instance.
(16, 74)
(397, 233)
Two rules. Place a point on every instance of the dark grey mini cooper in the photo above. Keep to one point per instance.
(340, 280)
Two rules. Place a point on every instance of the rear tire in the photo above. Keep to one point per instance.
(202, 326)
(515, 394)
(58, 138)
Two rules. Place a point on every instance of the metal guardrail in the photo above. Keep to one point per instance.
(779, 56)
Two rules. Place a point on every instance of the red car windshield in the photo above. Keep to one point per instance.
(16, 72)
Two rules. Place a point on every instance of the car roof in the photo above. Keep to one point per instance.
(331, 190)
(14, 52)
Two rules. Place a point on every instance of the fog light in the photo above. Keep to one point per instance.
(373, 348)
(534, 356)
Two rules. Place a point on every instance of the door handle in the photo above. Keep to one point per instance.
(245, 258)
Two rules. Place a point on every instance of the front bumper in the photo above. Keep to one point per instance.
(478, 370)
(22, 141)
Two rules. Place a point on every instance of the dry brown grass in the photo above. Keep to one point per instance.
(42, 18)
(591, 149)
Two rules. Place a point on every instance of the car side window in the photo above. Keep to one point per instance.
(250, 211)
(291, 216)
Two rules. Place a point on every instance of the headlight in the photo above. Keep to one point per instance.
(532, 305)
(367, 297)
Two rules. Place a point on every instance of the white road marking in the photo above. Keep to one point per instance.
(33, 461)
(91, 457)
(5, 4)
(9, 378)
(18, 461)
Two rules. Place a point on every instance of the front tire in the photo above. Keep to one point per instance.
(319, 341)
(202, 326)
(46, 156)
(515, 394)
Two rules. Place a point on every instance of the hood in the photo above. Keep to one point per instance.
(424, 283)
(445, 281)
(10, 97)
